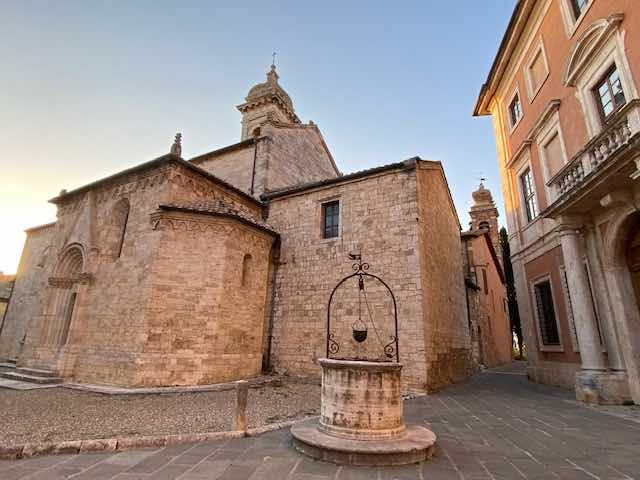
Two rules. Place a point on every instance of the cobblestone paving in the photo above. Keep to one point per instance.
(496, 426)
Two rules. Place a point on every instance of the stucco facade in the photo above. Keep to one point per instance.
(182, 272)
(564, 100)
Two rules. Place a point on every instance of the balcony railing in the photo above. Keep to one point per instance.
(598, 151)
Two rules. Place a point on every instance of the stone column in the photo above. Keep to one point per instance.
(583, 310)
(600, 293)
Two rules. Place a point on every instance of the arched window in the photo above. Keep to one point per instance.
(119, 218)
(484, 226)
(256, 132)
(247, 267)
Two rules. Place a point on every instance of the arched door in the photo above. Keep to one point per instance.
(633, 258)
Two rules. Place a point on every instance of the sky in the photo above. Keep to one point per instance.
(90, 88)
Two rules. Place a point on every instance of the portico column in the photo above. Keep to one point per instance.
(583, 311)
(601, 294)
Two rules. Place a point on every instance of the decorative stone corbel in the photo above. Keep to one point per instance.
(636, 173)
(616, 198)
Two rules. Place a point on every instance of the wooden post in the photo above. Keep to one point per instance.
(240, 414)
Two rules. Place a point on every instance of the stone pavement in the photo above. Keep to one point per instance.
(496, 426)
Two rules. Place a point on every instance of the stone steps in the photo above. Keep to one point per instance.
(23, 377)
(36, 372)
(7, 366)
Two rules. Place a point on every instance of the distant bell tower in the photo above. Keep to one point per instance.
(484, 216)
(266, 102)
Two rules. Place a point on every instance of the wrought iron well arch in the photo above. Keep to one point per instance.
(360, 270)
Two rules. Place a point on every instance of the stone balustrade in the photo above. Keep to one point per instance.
(598, 151)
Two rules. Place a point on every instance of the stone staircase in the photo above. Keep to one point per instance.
(10, 371)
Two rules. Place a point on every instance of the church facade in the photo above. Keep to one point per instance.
(218, 268)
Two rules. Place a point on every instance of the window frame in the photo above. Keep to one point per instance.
(605, 46)
(513, 125)
(572, 19)
(539, 50)
(323, 218)
(559, 347)
(605, 80)
(568, 303)
(577, 11)
(544, 136)
(524, 198)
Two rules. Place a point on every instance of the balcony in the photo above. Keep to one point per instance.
(598, 153)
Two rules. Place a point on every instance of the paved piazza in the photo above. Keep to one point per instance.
(496, 426)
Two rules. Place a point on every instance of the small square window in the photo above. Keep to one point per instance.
(546, 313)
(515, 110)
(331, 219)
(529, 195)
(609, 93)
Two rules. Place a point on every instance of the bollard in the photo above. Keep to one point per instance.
(240, 414)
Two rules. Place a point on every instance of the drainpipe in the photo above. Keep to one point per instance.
(274, 270)
(253, 170)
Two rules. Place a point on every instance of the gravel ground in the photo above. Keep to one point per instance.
(55, 414)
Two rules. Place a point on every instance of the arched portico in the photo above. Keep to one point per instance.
(622, 231)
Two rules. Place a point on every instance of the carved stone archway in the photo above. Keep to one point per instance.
(68, 275)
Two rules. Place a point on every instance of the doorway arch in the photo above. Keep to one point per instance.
(64, 296)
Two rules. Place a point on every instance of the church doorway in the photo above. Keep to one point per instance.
(63, 298)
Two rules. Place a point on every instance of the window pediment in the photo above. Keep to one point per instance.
(588, 44)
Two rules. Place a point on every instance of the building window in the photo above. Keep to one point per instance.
(119, 220)
(546, 313)
(247, 265)
(609, 93)
(569, 309)
(529, 194)
(330, 219)
(578, 6)
(515, 110)
(554, 154)
(484, 281)
(537, 71)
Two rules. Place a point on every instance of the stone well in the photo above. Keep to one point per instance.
(361, 419)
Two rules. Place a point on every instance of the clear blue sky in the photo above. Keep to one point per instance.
(89, 88)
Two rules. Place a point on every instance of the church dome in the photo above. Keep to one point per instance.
(269, 88)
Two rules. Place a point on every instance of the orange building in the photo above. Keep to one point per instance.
(486, 293)
(563, 94)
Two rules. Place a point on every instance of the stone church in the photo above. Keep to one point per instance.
(217, 268)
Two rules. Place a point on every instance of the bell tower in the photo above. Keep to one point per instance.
(266, 102)
(484, 216)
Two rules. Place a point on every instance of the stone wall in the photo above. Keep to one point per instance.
(206, 313)
(283, 156)
(26, 297)
(378, 219)
(234, 166)
(296, 155)
(108, 338)
(447, 347)
(107, 329)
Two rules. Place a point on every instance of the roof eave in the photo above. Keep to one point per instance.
(515, 26)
